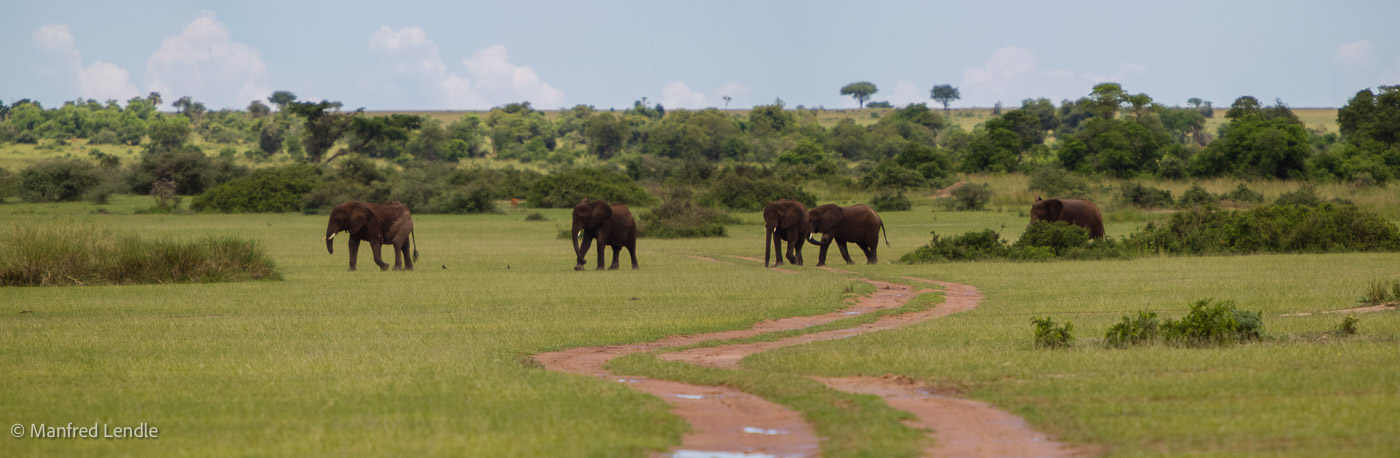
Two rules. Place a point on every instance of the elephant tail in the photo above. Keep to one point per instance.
(414, 238)
(887, 234)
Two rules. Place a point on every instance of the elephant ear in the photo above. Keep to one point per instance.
(831, 219)
(601, 212)
(1054, 207)
(795, 214)
(359, 217)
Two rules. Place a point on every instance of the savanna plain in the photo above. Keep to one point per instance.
(436, 361)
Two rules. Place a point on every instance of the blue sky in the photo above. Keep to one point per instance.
(474, 55)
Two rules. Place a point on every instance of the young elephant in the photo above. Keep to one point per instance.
(857, 223)
(1078, 212)
(784, 221)
(376, 224)
(612, 225)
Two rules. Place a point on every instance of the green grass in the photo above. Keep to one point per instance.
(59, 254)
(328, 362)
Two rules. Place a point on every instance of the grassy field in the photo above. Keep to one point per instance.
(328, 362)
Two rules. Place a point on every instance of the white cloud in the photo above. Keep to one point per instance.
(100, 80)
(203, 62)
(1391, 77)
(677, 94)
(1012, 74)
(413, 72)
(1355, 55)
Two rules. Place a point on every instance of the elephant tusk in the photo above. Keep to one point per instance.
(331, 237)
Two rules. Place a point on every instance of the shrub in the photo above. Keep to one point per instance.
(271, 190)
(679, 217)
(69, 254)
(1380, 293)
(1305, 196)
(1059, 183)
(187, 166)
(566, 188)
(743, 193)
(1146, 197)
(1347, 327)
(536, 216)
(969, 196)
(887, 201)
(971, 246)
(1048, 335)
(1213, 324)
(1244, 194)
(9, 185)
(58, 180)
(1058, 237)
(891, 175)
(1327, 228)
(1140, 330)
(1196, 196)
(465, 200)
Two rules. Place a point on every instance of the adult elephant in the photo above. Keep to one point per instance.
(377, 224)
(784, 221)
(612, 225)
(1078, 212)
(857, 223)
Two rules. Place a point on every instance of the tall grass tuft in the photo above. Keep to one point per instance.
(67, 254)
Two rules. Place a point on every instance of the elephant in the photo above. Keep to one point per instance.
(857, 223)
(376, 224)
(1078, 212)
(784, 221)
(612, 225)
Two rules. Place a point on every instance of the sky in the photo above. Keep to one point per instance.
(466, 55)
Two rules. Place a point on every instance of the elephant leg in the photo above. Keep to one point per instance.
(798, 238)
(777, 249)
(583, 250)
(407, 256)
(821, 255)
(398, 257)
(354, 251)
(845, 254)
(869, 253)
(617, 254)
(375, 245)
(632, 251)
(602, 249)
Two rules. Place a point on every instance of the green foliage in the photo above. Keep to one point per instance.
(1196, 196)
(891, 175)
(944, 94)
(860, 90)
(536, 217)
(1058, 183)
(1139, 330)
(469, 199)
(970, 196)
(57, 180)
(1243, 194)
(271, 190)
(679, 217)
(890, 201)
(1305, 196)
(971, 246)
(566, 188)
(1058, 237)
(1326, 228)
(1048, 335)
(736, 191)
(1378, 292)
(70, 254)
(1347, 327)
(1214, 324)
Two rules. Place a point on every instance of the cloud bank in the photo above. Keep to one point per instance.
(98, 80)
(413, 71)
(1012, 74)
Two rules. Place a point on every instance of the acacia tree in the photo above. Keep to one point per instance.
(324, 125)
(944, 94)
(860, 90)
(282, 99)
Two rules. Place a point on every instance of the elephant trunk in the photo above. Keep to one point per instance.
(330, 236)
(826, 240)
(577, 253)
(768, 244)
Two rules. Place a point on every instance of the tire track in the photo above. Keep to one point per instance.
(725, 420)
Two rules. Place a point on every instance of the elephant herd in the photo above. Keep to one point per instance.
(612, 226)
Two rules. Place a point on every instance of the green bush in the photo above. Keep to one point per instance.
(1305, 196)
(744, 193)
(9, 185)
(58, 180)
(1048, 335)
(1244, 194)
(1058, 237)
(186, 166)
(566, 188)
(69, 254)
(891, 175)
(536, 216)
(969, 196)
(463, 200)
(888, 201)
(679, 217)
(1059, 183)
(1213, 324)
(971, 246)
(1347, 327)
(1326, 228)
(1196, 196)
(272, 190)
(1378, 292)
(1140, 330)
(1137, 195)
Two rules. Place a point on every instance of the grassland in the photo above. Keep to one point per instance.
(328, 362)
